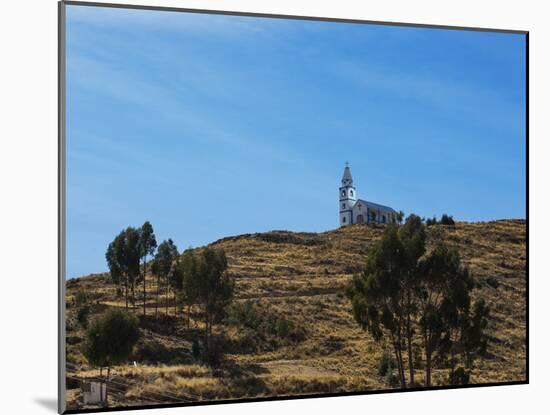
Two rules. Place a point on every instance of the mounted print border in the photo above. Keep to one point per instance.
(249, 348)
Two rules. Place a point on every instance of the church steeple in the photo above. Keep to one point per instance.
(347, 198)
(347, 180)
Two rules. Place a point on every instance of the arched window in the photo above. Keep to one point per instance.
(351, 192)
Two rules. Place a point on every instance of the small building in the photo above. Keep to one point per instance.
(94, 392)
(354, 210)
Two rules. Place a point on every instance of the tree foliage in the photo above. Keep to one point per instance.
(123, 258)
(110, 339)
(147, 245)
(205, 281)
(407, 296)
(163, 266)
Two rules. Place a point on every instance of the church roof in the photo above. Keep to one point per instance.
(376, 206)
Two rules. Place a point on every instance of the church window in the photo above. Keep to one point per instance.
(344, 219)
(351, 192)
(343, 192)
(384, 218)
(343, 205)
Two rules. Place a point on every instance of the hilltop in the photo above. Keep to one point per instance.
(301, 277)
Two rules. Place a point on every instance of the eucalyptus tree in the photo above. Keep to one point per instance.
(211, 286)
(148, 244)
(443, 302)
(163, 265)
(123, 259)
(377, 296)
(413, 238)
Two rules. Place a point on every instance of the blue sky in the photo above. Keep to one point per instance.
(210, 126)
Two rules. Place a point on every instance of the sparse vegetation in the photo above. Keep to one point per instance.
(284, 277)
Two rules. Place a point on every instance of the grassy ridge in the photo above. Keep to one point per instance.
(302, 276)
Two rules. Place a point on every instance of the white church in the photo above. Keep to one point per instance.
(353, 210)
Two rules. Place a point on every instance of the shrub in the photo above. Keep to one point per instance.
(196, 350)
(264, 323)
(386, 364)
(81, 298)
(447, 220)
(459, 376)
(82, 314)
(213, 354)
(111, 338)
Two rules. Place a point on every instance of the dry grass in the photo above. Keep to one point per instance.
(303, 277)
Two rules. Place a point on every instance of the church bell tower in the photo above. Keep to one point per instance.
(348, 197)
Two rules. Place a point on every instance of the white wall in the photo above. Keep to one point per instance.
(28, 203)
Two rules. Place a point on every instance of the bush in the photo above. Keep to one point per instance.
(386, 364)
(264, 323)
(196, 349)
(111, 338)
(492, 282)
(213, 354)
(82, 314)
(81, 299)
(459, 376)
(447, 220)
(432, 221)
(392, 380)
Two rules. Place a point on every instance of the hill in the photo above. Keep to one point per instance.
(298, 280)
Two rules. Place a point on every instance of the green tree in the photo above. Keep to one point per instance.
(123, 258)
(163, 265)
(148, 244)
(447, 220)
(431, 222)
(188, 269)
(110, 339)
(400, 216)
(465, 338)
(444, 299)
(413, 238)
(377, 296)
(214, 287)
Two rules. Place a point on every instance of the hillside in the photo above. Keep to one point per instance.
(302, 277)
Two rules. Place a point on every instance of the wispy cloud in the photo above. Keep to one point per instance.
(465, 100)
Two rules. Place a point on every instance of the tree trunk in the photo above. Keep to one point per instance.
(126, 291)
(206, 329)
(409, 347)
(400, 361)
(166, 299)
(428, 367)
(428, 352)
(399, 365)
(144, 292)
(158, 292)
(188, 314)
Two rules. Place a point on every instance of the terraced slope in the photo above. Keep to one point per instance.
(302, 278)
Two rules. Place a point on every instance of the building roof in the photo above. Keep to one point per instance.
(376, 206)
